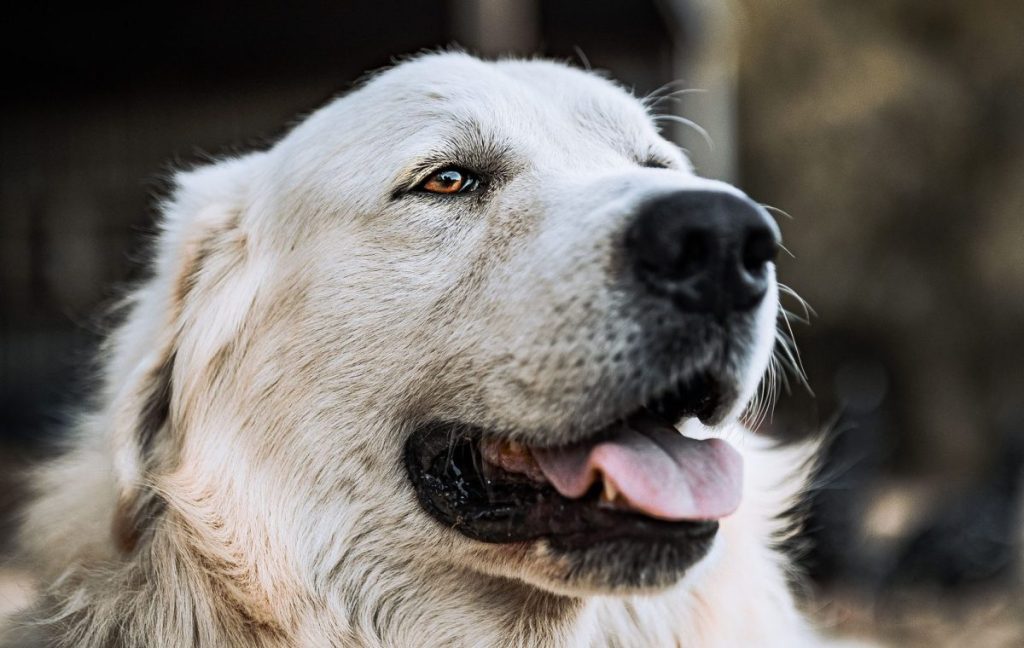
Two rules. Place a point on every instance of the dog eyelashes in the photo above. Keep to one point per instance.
(656, 163)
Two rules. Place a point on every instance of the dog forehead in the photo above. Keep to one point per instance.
(458, 88)
(457, 76)
(539, 113)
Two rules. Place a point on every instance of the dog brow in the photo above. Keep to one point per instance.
(469, 146)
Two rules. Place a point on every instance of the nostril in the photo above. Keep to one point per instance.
(759, 248)
(707, 251)
(695, 253)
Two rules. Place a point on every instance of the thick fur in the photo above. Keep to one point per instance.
(240, 482)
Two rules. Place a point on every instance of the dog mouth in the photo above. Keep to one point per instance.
(637, 480)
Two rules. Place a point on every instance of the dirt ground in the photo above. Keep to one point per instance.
(989, 619)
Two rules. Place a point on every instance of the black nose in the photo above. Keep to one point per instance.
(706, 250)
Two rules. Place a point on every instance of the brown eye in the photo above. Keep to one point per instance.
(450, 181)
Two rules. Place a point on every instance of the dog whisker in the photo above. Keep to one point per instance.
(786, 290)
(664, 90)
(776, 210)
(654, 103)
(691, 124)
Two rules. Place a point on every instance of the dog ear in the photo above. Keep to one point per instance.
(200, 226)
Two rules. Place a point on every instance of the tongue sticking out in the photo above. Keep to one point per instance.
(657, 470)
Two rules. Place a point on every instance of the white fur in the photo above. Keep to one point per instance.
(301, 318)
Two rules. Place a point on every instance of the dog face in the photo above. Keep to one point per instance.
(455, 314)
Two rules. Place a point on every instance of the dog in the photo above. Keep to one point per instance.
(411, 377)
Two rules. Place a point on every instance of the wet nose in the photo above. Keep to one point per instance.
(707, 251)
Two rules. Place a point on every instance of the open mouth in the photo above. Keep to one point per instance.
(637, 480)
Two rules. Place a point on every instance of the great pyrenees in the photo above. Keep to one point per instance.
(413, 377)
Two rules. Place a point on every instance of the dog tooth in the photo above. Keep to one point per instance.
(609, 494)
(514, 448)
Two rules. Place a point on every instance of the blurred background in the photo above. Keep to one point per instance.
(889, 132)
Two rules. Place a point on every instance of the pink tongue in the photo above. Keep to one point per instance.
(658, 471)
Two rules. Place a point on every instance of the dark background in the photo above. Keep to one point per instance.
(891, 130)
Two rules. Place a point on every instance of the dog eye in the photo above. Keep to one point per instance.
(451, 180)
(655, 163)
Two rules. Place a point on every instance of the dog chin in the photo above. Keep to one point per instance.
(610, 569)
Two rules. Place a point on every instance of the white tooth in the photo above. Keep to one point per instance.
(609, 493)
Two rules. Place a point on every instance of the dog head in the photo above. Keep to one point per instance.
(456, 314)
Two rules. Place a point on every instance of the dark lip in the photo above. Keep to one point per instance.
(514, 509)
(446, 469)
(704, 396)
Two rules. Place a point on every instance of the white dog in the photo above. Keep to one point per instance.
(410, 378)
